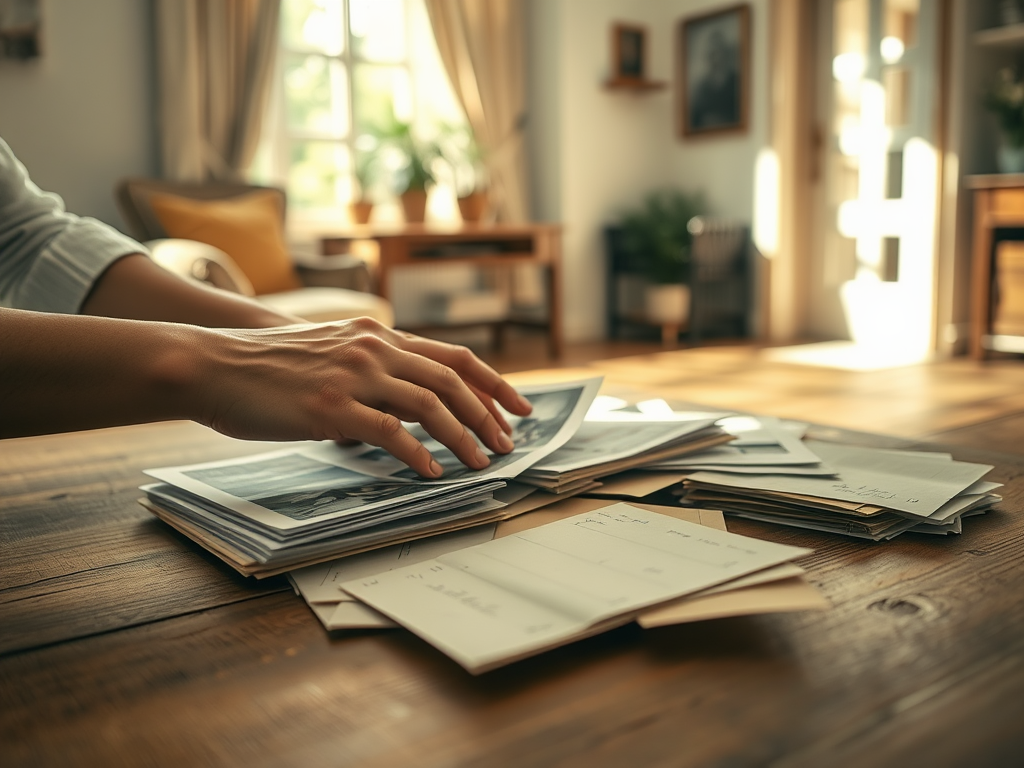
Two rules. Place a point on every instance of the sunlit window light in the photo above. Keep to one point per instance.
(848, 67)
(891, 49)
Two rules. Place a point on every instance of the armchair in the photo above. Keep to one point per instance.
(317, 289)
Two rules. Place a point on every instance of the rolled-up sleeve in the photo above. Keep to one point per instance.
(49, 259)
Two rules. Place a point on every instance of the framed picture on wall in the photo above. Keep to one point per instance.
(713, 60)
(629, 52)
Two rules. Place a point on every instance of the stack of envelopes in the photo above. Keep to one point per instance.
(573, 569)
(874, 494)
(273, 512)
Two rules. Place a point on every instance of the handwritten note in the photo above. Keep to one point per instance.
(509, 598)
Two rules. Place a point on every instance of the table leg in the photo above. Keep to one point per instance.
(981, 275)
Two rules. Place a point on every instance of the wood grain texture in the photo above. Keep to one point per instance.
(125, 645)
(81, 556)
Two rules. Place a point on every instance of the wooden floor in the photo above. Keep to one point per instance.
(935, 401)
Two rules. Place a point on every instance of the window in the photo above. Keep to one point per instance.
(345, 66)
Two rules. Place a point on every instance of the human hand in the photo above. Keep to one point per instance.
(355, 380)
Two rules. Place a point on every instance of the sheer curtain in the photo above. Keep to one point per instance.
(215, 63)
(481, 45)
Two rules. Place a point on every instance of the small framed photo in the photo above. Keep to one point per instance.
(629, 52)
(714, 72)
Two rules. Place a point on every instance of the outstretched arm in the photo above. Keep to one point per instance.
(137, 288)
(354, 379)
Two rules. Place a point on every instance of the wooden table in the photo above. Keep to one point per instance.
(998, 203)
(495, 246)
(121, 643)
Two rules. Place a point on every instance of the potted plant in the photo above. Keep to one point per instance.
(656, 238)
(364, 170)
(1006, 101)
(469, 172)
(413, 175)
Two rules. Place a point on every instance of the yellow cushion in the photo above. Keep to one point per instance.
(247, 228)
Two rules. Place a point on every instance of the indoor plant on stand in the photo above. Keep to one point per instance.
(656, 238)
(364, 169)
(469, 172)
(1006, 101)
(413, 175)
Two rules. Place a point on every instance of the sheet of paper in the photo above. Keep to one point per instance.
(793, 594)
(519, 594)
(822, 470)
(912, 484)
(760, 440)
(636, 483)
(319, 583)
(600, 441)
(351, 614)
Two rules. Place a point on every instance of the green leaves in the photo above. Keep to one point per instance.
(655, 237)
(1006, 101)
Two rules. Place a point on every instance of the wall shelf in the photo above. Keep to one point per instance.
(1009, 36)
(636, 85)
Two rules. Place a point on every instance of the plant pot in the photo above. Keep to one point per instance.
(360, 211)
(414, 204)
(473, 206)
(1010, 159)
(668, 304)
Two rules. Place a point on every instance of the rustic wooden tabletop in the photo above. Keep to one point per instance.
(122, 643)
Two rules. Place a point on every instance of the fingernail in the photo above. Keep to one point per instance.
(435, 468)
(481, 458)
(504, 443)
(524, 403)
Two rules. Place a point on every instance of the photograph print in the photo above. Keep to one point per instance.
(714, 54)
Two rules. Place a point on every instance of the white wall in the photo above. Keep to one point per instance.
(82, 116)
(724, 167)
(595, 153)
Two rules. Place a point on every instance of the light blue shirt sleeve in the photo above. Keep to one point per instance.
(49, 259)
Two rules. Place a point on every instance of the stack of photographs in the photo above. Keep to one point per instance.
(763, 445)
(609, 443)
(273, 512)
(874, 494)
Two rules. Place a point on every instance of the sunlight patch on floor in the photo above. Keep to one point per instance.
(845, 355)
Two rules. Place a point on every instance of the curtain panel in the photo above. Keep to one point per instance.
(215, 64)
(481, 44)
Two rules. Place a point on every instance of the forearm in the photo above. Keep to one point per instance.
(136, 288)
(60, 373)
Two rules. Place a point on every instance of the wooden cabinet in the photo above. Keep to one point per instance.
(499, 246)
(997, 273)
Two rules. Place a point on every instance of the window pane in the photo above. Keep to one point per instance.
(899, 23)
(316, 95)
(896, 81)
(378, 29)
(319, 175)
(313, 25)
(378, 90)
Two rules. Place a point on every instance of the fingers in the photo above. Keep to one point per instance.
(415, 403)
(385, 430)
(493, 408)
(440, 389)
(472, 369)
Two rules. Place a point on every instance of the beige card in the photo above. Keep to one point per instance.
(636, 483)
(747, 596)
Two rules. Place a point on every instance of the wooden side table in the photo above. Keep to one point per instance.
(486, 246)
(998, 202)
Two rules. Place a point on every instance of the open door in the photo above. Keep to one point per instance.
(873, 277)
